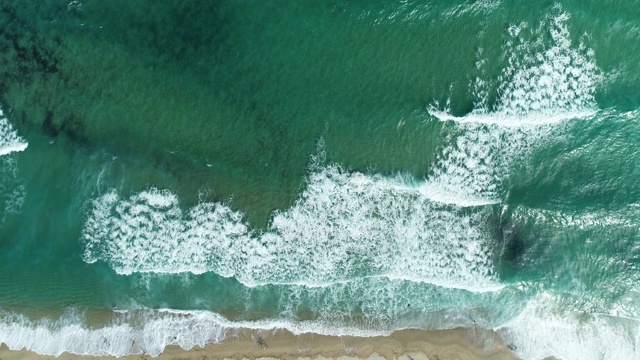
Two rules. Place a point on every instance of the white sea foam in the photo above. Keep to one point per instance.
(10, 141)
(149, 334)
(546, 328)
(12, 191)
(548, 77)
(478, 7)
(511, 121)
(344, 226)
(150, 331)
(601, 323)
(470, 169)
(142, 332)
(149, 233)
(544, 80)
(544, 83)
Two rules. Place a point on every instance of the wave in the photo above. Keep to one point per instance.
(344, 226)
(380, 307)
(546, 79)
(597, 315)
(509, 121)
(10, 141)
(147, 333)
(12, 191)
(546, 329)
(545, 82)
(347, 225)
(543, 328)
(144, 331)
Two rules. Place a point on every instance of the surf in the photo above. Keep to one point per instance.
(344, 226)
(10, 141)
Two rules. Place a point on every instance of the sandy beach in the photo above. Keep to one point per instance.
(407, 344)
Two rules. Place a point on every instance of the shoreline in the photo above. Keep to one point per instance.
(409, 344)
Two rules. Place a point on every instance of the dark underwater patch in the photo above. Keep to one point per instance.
(514, 244)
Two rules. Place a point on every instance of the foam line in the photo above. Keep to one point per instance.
(510, 121)
(542, 329)
(141, 332)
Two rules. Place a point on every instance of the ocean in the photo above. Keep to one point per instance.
(171, 170)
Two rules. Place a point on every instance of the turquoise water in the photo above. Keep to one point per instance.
(172, 170)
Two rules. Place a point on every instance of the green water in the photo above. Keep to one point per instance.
(343, 167)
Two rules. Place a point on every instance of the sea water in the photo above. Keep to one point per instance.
(170, 171)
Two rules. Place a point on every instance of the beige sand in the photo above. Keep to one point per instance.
(281, 344)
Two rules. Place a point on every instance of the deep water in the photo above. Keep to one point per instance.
(169, 170)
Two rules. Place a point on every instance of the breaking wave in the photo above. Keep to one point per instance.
(144, 331)
(344, 226)
(10, 141)
(544, 83)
